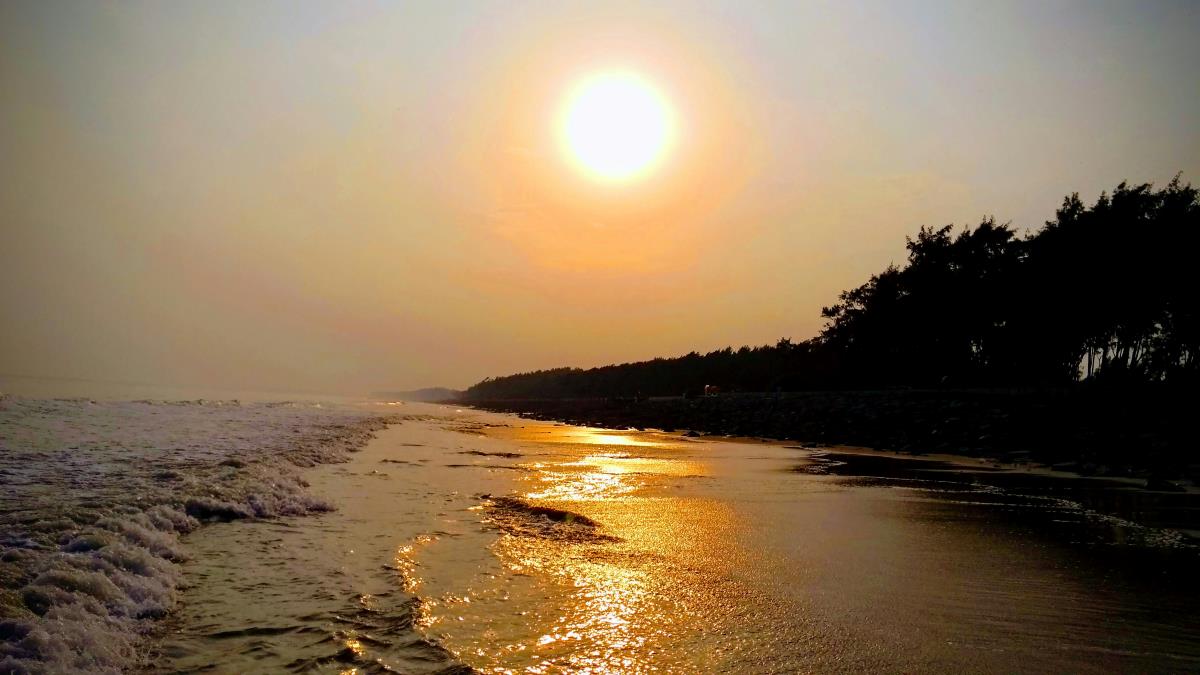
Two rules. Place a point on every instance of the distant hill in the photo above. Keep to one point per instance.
(428, 395)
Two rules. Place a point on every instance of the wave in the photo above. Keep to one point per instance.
(95, 497)
(360, 637)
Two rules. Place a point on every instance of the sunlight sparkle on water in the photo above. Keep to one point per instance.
(606, 437)
(618, 599)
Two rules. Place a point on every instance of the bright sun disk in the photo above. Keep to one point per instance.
(616, 125)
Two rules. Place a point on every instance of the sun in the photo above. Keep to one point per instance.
(616, 125)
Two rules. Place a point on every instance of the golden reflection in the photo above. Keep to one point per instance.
(559, 435)
(616, 603)
(424, 614)
(606, 476)
(405, 562)
(608, 607)
(634, 585)
(610, 615)
(354, 645)
(620, 463)
(579, 486)
(606, 437)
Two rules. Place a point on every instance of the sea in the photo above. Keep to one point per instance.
(145, 530)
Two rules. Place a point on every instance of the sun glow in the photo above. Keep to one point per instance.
(616, 125)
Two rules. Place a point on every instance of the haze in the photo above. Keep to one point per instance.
(347, 197)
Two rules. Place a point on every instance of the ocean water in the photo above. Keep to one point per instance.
(95, 495)
(218, 536)
(466, 540)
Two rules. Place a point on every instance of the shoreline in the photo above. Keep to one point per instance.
(1108, 495)
(1015, 431)
(409, 545)
(101, 496)
(336, 553)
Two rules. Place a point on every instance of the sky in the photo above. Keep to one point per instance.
(348, 197)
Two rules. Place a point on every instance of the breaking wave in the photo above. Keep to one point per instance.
(95, 496)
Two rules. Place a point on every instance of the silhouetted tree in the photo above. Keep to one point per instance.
(1102, 293)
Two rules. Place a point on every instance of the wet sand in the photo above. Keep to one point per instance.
(470, 539)
(1144, 433)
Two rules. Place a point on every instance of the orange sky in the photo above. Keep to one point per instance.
(353, 197)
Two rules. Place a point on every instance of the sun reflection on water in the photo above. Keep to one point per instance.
(605, 476)
(609, 619)
(406, 564)
(597, 438)
(580, 486)
(605, 604)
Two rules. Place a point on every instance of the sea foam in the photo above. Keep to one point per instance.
(95, 496)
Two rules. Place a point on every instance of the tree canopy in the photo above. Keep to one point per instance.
(1102, 293)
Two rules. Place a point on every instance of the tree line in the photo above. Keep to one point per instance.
(1101, 294)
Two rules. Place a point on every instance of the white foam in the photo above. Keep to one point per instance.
(96, 495)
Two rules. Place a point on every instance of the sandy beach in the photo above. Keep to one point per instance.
(468, 539)
(685, 336)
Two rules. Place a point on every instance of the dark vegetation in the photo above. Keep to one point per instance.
(1085, 331)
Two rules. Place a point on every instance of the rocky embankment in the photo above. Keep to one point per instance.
(1092, 433)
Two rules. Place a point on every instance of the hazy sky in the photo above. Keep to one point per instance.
(345, 197)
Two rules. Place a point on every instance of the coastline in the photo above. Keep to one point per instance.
(1128, 498)
(101, 496)
(440, 558)
(1139, 443)
(341, 587)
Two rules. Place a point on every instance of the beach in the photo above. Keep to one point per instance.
(239, 536)
(97, 494)
(1083, 431)
(603, 338)
(473, 540)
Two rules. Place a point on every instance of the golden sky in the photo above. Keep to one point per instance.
(345, 197)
